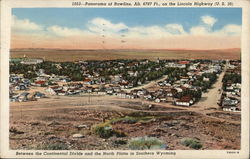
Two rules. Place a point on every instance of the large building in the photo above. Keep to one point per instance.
(31, 61)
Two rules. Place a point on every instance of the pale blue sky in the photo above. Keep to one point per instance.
(150, 28)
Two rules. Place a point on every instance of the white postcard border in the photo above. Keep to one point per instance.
(6, 6)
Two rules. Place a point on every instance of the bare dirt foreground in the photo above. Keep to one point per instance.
(51, 123)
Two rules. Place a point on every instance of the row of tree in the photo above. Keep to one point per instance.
(193, 93)
(230, 78)
(205, 84)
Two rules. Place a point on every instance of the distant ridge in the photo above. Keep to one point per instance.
(61, 55)
(181, 49)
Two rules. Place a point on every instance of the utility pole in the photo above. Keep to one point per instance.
(89, 98)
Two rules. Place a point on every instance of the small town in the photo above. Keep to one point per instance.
(178, 82)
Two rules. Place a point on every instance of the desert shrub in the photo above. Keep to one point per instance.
(119, 133)
(142, 143)
(192, 143)
(127, 119)
(54, 146)
(131, 119)
(105, 130)
(120, 142)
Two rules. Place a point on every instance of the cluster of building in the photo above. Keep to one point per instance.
(166, 90)
(186, 83)
(17, 82)
(19, 87)
(125, 73)
(231, 92)
(182, 88)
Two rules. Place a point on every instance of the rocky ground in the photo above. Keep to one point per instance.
(44, 125)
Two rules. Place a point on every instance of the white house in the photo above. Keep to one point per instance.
(51, 91)
(185, 101)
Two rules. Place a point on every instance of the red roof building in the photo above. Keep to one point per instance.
(183, 62)
(40, 82)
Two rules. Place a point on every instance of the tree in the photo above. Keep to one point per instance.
(30, 75)
(77, 76)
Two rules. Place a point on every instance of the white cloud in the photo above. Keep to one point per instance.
(97, 26)
(156, 31)
(199, 30)
(64, 31)
(102, 25)
(175, 29)
(24, 25)
(231, 29)
(208, 20)
(227, 30)
(147, 31)
(205, 29)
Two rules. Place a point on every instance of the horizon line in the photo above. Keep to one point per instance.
(170, 49)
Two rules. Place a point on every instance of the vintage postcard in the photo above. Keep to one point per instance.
(125, 79)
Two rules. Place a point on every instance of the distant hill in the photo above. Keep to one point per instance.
(76, 55)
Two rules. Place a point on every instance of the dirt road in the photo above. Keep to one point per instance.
(150, 84)
(210, 98)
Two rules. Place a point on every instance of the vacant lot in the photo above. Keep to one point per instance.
(50, 123)
(76, 55)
